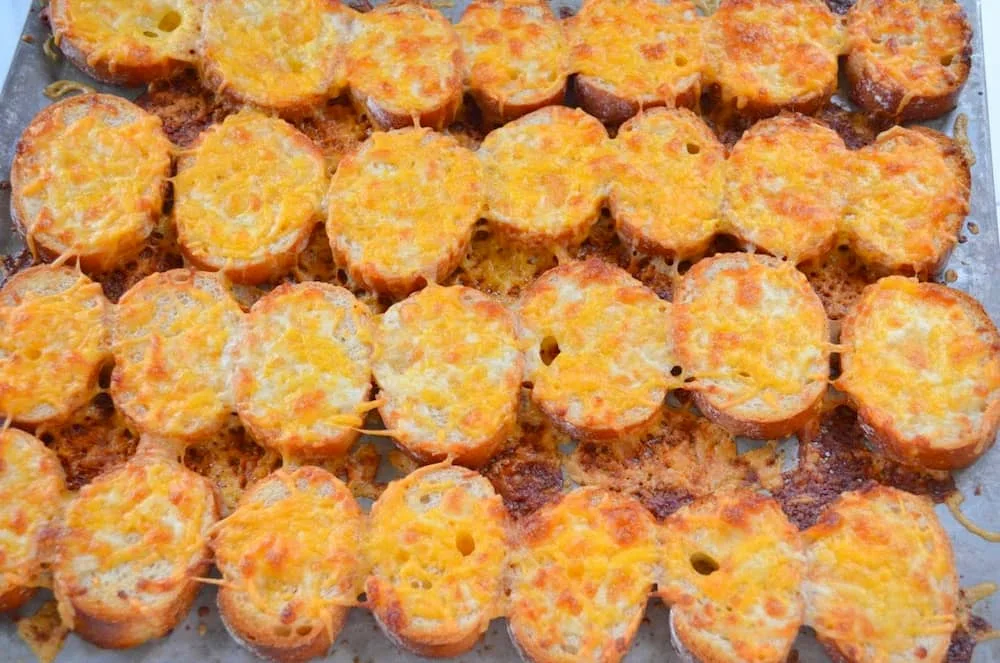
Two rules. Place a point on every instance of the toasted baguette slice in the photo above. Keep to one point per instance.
(908, 202)
(54, 342)
(580, 573)
(668, 183)
(635, 54)
(732, 570)
(516, 57)
(597, 347)
(124, 42)
(881, 582)
(249, 217)
(437, 546)
(907, 60)
(60, 195)
(771, 55)
(173, 337)
(401, 209)
(786, 187)
(130, 547)
(291, 559)
(543, 176)
(921, 363)
(754, 337)
(405, 66)
(32, 491)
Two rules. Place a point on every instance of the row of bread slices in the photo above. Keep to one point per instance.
(404, 63)
(600, 351)
(439, 557)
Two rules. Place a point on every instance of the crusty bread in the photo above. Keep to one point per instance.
(754, 337)
(32, 490)
(53, 343)
(907, 60)
(125, 42)
(881, 582)
(579, 576)
(732, 570)
(437, 546)
(405, 66)
(668, 182)
(173, 337)
(419, 189)
(921, 363)
(130, 546)
(291, 559)
(635, 54)
(597, 347)
(66, 158)
(249, 217)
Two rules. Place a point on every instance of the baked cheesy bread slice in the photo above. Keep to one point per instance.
(580, 573)
(401, 209)
(881, 582)
(88, 179)
(248, 196)
(543, 176)
(54, 342)
(786, 184)
(668, 183)
(437, 547)
(634, 54)
(733, 564)
(32, 489)
(303, 370)
(131, 544)
(173, 338)
(908, 201)
(597, 347)
(449, 372)
(291, 558)
(753, 335)
(405, 66)
(907, 60)
(921, 363)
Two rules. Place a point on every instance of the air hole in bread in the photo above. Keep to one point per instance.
(481, 235)
(362, 597)
(282, 631)
(680, 61)
(341, 276)
(683, 266)
(150, 34)
(946, 60)
(170, 22)
(704, 564)
(304, 630)
(104, 377)
(548, 350)
(676, 371)
(465, 543)
(693, 148)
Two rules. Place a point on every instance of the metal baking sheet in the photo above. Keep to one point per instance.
(202, 637)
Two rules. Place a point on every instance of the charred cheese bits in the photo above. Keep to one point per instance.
(248, 196)
(291, 558)
(131, 544)
(88, 179)
(881, 582)
(908, 201)
(53, 343)
(127, 42)
(437, 546)
(769, 55)
(449, 373)
(405, 66)
(172, 338)
(32, 487)
(921, 363)
(907, 60)
(543, 176)
(633, 54)
(733, 564)
(668, 183)
(754, 337)
(579, 577)
(786, 187)
(597, 348)
(287, 55)
(401, 209)
(303, 369)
